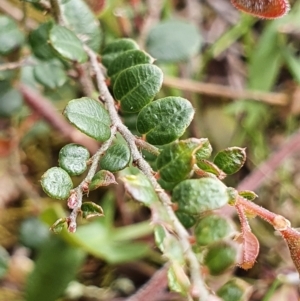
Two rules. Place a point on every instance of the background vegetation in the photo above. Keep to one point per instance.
(240, 73)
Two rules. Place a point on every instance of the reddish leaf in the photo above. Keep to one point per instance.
(292, 238)
(250, 250)
(248, 239)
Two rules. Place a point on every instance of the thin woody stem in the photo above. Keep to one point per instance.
(79, 191)
(199, 289)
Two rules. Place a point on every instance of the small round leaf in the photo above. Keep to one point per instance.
(57, 183)
(66, 43)
(165, 119)
(11, 100)
(205, 151)
(248, 194)
(187, 220)
(210, 167)
(102, 178)
(90, 117)
(126, 60)
(173, 41)
(78, 16)
(90, 209)
(114, 49)
(39, 42)
(116, 158)
(59, 225)
(175, 161)
(73, 158)
(231, 159)
(50, 74)
(233, 290)
(140, 189)
(33, 225)
(211, 229)
(136, 86)
(195, 196)
(220, 257)
(11, 37)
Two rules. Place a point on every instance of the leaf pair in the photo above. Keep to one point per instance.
(135, 83)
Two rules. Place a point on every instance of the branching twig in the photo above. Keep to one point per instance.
(146, 146)
(79, 191)
(56, 13)
(279, 99)
(199, 289)
(16, 65)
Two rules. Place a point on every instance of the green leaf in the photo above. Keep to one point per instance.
(205, 151)
(57, 264)
(212, 228)
(165, 119)
(66, 43)
(220, 257)
(90, 117)
(57, 183)
(210, 167)
(39, 42)
(231, 159)
(173, 41)
(248, 194)
(11, 100)
(79, 18)
(178, 280)
(101, 239)
(59, 225)
(140, 189)
(136, 86)
(40, 230)
(102, 178)
(50, 74)
(187, 220)
(11, 37)
(126, 60)
(4, 262)
(115, 48)
(292, 63)
(195, 196)
(267, 54)
(175, 162)
(90, 209)
(233, 290)
(115, 158)
(73, 159)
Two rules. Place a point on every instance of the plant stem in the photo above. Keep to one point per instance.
(199, 289)
(56, 12)
(80, 189)
(15, 65)
(147, 146)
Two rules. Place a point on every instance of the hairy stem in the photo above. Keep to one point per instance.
(199, 289)
(79, 191)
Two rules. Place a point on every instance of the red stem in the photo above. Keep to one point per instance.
(257, 210)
